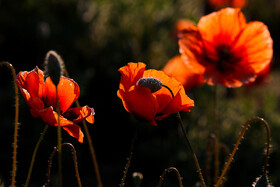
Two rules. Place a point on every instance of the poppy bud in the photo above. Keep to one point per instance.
(151, 83)
(54, 66)
(137, 178)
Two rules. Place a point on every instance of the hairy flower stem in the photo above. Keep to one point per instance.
(192, 151)
(74, 160)
(217, 137)
(168, 170)
(89, 139)
(14, 166)
(59, 140)
(128, 160)
(188, 142)
(34, 156)
(238, 142)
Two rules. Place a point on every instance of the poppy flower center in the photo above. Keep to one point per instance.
(224, 59)
(151, 83)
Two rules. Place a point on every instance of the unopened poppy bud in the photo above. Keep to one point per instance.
(151, 83)
(137, 178)
(54, 66)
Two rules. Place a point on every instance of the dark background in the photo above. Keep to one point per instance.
(97, 37)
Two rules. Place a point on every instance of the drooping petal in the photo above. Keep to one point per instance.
(49, 116)
(131, 73)
(255, 46)
(140, 102)
(75, 131)
(79, 114)
(68, 92)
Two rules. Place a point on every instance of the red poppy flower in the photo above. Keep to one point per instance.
(182, 24)
(142, 93)
(40, 95)
(217, 4)
(226, 49)
(262, 78)
(183, 73)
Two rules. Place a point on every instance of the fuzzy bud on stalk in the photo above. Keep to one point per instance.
(54, 66)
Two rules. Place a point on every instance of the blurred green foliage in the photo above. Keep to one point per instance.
(95, 38)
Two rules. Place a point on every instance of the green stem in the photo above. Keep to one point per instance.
(238, 142)
(14, 167)
(34, 155)
(90, 144)
(74, 160)
(217, 137)
(167, 171)
(188, 142)
(128, 160)
(59, 141)
(192, 151)
(48, 174)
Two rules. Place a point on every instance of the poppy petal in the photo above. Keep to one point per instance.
(49, 116)
(68, 92)
(75, 131)
(141, 103)
(191, 48)
(79, 114)
(178, 69)
(131, 73)
(164, 97)
(181, 102)
(255, 45)
(31, 81)
(225, 25)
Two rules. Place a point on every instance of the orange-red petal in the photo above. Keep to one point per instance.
(191, 48)
(79, 114)
(255, 45)
(221, 27)
(131, 73)
(181, 102)
(183, 73)
(31, 83)
(49, 116)
(75, 131)
(163, 95)
(68, 92)
(140, 102)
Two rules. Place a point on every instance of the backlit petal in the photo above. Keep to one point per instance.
(255, 46)
(181, 102)
(131, 73)
(68, 92)
(163, 95)
(221, 27)
(31, 81)
(183, 73)
(141, 103)
(79, 114)
(49, 116)
(191, 48)
(75, 131)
